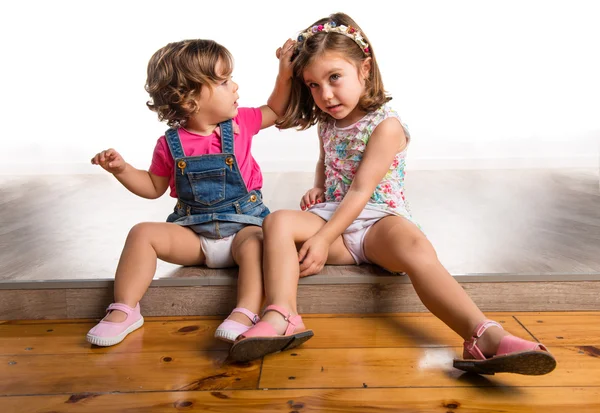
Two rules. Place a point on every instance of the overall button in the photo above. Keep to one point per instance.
(252, 198)
(181, 165)
(229, 161)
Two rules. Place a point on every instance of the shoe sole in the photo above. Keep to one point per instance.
(226, 336)
(253, 348)
(531, 363)
(111, 341)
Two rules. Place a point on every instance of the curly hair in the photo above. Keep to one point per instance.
(178, 72)
(302, 111)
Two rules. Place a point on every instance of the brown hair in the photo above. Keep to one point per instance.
(178, 72)
(302, 112)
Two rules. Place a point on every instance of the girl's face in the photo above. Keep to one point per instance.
(336, 86)
(220, 103)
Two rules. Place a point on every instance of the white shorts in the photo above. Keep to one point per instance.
(218, 251)
(354, 236)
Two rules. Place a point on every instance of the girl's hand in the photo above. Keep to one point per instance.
(312, 197)
(284, 54)
(110, 160)
(313, 255)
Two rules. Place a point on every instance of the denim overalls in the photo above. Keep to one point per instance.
(212, 198)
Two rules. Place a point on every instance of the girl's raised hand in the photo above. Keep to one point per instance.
(110, 160)
(284, 54)
(311, 197)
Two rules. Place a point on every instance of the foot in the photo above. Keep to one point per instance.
(502, 352)
(238, 322)
(240, 318)
(276, 320)
(489, 342)
(109, 333)
(266, 338)
(116, 316)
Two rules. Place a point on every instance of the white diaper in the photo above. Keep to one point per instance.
(218, 251)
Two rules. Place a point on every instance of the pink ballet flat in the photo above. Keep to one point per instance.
(107, 333)
(262, 339)
(514, 355)
(229, 330)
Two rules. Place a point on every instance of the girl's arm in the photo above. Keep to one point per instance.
(142, 183)
(387, 140)
(279, 99)
(317, 193)
(320, 169)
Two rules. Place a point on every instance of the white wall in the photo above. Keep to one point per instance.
(480, 83)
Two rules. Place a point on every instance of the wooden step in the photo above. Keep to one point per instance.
(337, 290)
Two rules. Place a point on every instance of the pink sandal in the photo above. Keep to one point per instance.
(107, 333)
(262, 339)
(514, 355)
(229, 330)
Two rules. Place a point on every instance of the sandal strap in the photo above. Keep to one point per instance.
(121, 307)
(253, 317)
(471, 344)
(512, 344)
(293, 321)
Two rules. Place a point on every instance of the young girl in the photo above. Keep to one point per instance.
(363, 219)
(205, 160)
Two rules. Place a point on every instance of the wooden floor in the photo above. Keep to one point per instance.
(385, 363)
(531, 222)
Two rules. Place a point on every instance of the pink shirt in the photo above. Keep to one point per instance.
(248, 119)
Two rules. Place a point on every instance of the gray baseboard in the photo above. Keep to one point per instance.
(343, 290)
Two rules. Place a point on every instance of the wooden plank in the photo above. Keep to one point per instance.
(369, 400)
(552, 313)
(94, 320)
(399, 297)
(198, 334)
(564, 331)
(60, 338)
(365, 298)
(40, 304)
(490, 314)
(158, 301)
(414, 367)
(124, 372)
(391, 331)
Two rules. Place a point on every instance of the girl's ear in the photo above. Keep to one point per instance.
(191, 103)
(365, 68)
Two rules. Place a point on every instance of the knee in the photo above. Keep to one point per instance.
(249, 249)
(140, 232)
(277, 221)
(417, 250)
(252, 243)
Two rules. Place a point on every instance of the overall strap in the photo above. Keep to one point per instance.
(227, 137)
(172, 137)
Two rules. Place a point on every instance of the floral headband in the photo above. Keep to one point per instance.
(332, 27)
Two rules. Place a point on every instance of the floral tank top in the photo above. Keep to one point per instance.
(344, 149)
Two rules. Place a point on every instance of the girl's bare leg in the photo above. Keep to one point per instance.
(398, 245)
(284, 232)
(247, 250)
(146, 243)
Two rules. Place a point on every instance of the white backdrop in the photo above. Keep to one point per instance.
(480, 84)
